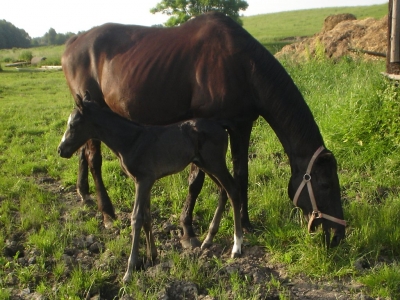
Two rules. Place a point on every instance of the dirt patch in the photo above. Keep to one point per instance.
(341, 35)
(89, 252)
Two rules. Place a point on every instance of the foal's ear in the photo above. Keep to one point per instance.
(79, 102)
(87, 96)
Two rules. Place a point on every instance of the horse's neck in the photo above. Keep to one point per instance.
(293, 123)
(283, 106)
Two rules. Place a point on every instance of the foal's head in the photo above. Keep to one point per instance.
(79, 129)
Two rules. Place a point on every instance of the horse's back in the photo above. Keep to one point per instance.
(163, 75)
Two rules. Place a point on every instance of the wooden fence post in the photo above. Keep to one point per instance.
(393, 54)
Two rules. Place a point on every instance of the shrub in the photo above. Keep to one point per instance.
(26, 55)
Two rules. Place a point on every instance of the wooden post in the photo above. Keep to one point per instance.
(395, 34)
(393, 57)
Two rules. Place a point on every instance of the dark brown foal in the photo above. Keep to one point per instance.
(147, 153)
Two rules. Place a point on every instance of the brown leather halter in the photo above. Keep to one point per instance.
(316, 214)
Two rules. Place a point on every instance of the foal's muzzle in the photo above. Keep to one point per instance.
(63, 153)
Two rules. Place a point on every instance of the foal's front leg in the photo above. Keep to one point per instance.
(138, 219)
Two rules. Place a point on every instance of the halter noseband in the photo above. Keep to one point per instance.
(316, 214)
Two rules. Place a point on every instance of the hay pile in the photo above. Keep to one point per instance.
(340, 34)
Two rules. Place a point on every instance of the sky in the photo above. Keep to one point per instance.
(37, 17)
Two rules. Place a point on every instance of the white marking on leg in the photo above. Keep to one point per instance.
(237, 246)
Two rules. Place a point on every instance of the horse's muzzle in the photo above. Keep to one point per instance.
(338, 236)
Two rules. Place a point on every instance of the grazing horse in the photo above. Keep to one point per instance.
(209, 67)
(147, 153)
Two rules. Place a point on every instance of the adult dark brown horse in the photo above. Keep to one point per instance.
(210, 67)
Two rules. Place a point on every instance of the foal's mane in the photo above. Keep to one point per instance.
(104, 117)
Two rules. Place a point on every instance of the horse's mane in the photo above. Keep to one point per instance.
(288, 113)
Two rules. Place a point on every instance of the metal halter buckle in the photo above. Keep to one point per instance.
(317, 214)
(307, 177)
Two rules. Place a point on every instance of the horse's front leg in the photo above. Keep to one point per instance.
(138, 219)
(93, 157)
(196, 180)
(228, 186)
(240, 139)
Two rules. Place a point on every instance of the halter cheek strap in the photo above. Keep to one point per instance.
(316, 214)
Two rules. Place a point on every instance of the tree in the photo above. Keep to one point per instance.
(11, 36)
(182, 10)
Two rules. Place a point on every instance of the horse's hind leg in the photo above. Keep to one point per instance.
(94, 160)
(196, 180)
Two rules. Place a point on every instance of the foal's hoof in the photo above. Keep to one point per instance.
(127, 277)
(190, 243)
(205, 245)
(247, 227)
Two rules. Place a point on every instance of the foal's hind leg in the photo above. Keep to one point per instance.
(196, 180)
(214, 225)
(94, 160)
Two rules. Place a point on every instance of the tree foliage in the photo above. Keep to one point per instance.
(182, 10)
(52, 38)
(11, 36)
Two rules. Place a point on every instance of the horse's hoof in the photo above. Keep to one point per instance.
(190, 243)
(108, 221)
(235, 255)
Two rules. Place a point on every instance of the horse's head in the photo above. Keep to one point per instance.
(314, 187)
(79, 129)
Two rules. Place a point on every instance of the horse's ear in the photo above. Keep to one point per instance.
(79, 102)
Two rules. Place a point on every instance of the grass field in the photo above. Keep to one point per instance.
(357, 111)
